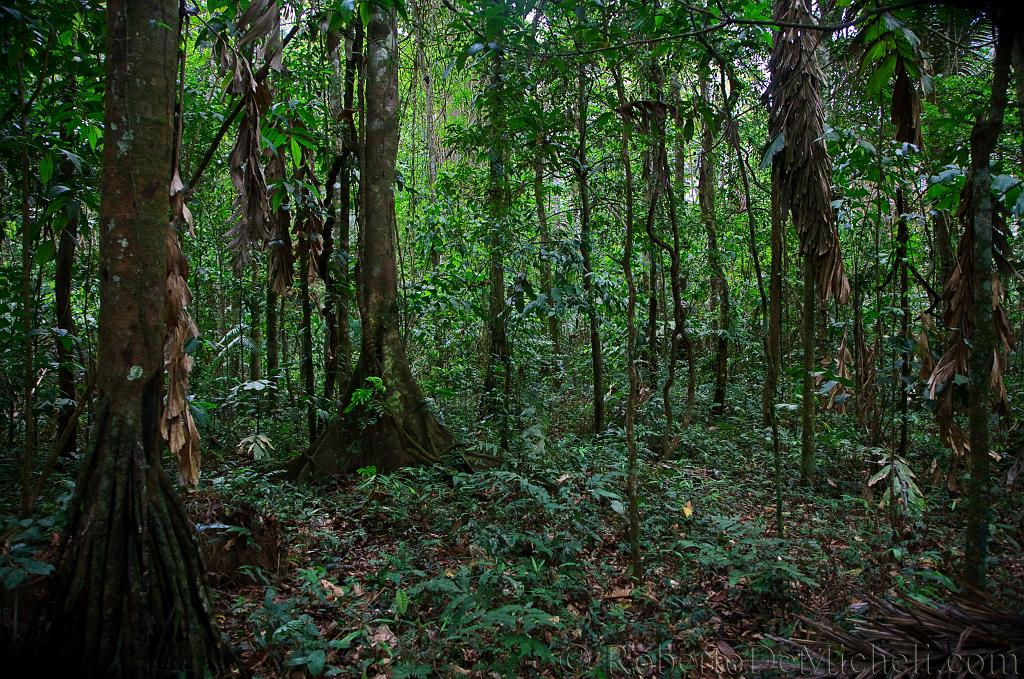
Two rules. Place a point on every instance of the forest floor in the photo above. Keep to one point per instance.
(433, 572)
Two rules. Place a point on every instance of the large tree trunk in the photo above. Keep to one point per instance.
(396, 428)
(129, 586)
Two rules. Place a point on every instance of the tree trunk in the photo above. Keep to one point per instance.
(332, 345)
(808, 398)
(67, 423)
(395, 429)
(637, 566)
(272, 332)
(345, 211)
(28, 450)
(255, 324)
(129, 583)
(983, 343)
(498, 360)
(586, 252)
(308, 376)
(719, 285)
(545, 243)
(774, 367)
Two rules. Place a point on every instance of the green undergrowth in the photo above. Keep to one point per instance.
(436, 572)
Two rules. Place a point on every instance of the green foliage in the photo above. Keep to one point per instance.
(21, 541)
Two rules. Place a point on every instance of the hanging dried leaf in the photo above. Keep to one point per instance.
(177, 425)
(924, 349)
(646, 114)
(797, 118)
(867, 412)
(836, 396)
(282, 256)
(952, 370)
(252, 221)
(309, 222)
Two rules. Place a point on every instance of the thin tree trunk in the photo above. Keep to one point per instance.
(255, 324)
(582, 171)
(28, 450)
(808, 406)
(983, 343)
(308, 376)
(636, 561)
(67, 424)
(774, 367)
(545, 243)
(272, 333)
(719, 285)
(327, 274)
(345, 221)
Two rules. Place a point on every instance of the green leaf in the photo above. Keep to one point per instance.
(777, 145)
(44, 252)
(46, 169)
(315, 662)
(401, 602)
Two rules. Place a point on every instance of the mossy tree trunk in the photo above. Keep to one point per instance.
(984, 137)
(396, 428)
(130, 600)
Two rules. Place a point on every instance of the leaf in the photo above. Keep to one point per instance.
(46, 169)
(618, 507)
(401, 602)
(777, 145)
(688, 509)
(879, 475)
(44, 253)
(315, 662)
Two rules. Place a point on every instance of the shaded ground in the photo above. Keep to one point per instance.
(436, 573)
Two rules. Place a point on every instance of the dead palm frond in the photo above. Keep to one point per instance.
(964, 636)
(798, 131)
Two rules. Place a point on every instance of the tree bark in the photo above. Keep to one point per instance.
(582, 171)
(397, 428)
(719, 285)
(272, 332)
(67, 424)
(808, 404)
(983, 343)
(308, 376)
(499, 357)
(636, 561)
(131, 600)
(774, 367)
(545, 244)
(255, 325)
